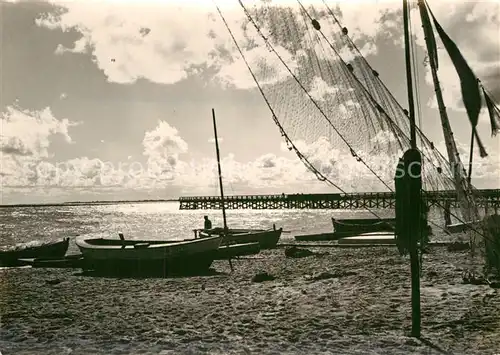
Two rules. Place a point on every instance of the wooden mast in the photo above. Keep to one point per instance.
(225, 232)
(413, 248)
(220, 173)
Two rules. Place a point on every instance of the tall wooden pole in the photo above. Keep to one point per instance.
(413, 247)
(224, 233)
(409, 79)
(220, 173)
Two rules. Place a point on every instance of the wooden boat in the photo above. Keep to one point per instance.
(267, 238)
(317, 237)
(349, 227)
(164, 257)
(344, 228)
(234, 250)
(376, 238)
(68, 261)
(52, 249)
(462, 227)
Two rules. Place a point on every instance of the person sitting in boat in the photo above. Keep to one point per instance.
(208, 223)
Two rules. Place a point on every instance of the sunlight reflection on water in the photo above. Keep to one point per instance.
(163, 220)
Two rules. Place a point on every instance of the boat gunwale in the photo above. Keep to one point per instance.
(81, 242)
(257, 231)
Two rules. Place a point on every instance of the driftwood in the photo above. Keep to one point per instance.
(262, 276)
(294, 252)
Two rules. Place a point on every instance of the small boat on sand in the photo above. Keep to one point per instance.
(375, 238)
(164, 257)
(462, 227)
(267, 238)
(347, 227)
(316, 237)
(54, 249)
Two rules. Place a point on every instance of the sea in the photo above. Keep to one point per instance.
(164, 220)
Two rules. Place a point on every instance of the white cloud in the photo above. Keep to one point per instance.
(25, 139)
(164, 43)
(266, 174)
(212, 140)
(156, 41)
(28, 133)
(162, 147)
(484, 170)
(474, 27)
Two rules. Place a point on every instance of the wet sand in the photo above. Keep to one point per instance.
(54, 311)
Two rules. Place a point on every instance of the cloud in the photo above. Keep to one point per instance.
(165, 43)
(25, 139)
(28, 133)
(160, 42)
(474, 27)
(268, 173)
(320, 89)
(212, 140)
(484, 170)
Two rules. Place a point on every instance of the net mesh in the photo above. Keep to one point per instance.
(323, 93)
(321, 89)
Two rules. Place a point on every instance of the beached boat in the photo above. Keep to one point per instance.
(370, 239)
(317, 237)
(267, 238)
(346, 227)
(53, 249)
(462, 227)
(148, 256)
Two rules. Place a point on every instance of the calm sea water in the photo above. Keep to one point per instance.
(162, 221)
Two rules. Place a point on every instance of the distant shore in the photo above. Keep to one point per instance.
(90, 203)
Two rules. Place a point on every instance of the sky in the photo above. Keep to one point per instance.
(111, 100)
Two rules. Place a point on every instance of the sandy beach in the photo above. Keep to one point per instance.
(362, 307)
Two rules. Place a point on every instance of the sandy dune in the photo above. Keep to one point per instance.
(367, 312)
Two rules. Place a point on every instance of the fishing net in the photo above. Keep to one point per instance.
(330, 105)
(322, 92)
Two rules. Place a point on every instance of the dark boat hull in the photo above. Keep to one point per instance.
(194, 264)
(346, 228)
(148, 257)
(267, 239)
(47, 251)
(317, 237)
(462, 227)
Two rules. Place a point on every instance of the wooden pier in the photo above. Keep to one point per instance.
(486, 198)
